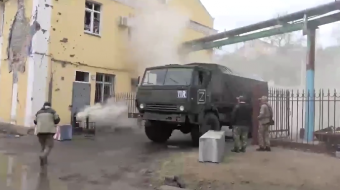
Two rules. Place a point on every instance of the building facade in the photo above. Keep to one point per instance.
(76, 54)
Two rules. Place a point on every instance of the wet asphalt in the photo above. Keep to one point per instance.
(111, 160)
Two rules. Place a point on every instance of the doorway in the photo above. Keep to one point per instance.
(81, 93)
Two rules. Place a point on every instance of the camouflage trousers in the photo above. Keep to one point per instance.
(240, 134)
(264, 140)
(46, 142)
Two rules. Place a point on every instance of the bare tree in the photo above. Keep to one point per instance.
(281, 40)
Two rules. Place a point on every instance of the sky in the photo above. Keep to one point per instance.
(230, 14)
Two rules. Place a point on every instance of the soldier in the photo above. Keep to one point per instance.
(265, 120)
(241, 122)
(46, 120)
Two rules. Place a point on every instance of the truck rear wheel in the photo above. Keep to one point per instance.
(210, 122)
(157, 132)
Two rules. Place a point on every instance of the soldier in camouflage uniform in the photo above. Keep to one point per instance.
(241, 122)
(46, 120)
(265, 118)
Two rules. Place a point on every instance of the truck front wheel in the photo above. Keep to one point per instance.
(157, 132)
(210, 122)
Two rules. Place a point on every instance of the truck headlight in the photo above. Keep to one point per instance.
(141, 106)
(181, 108)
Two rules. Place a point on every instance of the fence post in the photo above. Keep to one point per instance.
(288, 111)
(310, 67)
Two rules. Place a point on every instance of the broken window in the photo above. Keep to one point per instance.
(104, 87)
(82, 76)
(92, 17)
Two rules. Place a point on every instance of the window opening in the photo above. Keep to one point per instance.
(82, 76)
(92, 17)
(104, 87)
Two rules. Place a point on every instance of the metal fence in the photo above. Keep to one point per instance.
(292, 114)
(289, 114)
(129, 98)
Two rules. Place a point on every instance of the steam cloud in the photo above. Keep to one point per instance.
(111, 114)
(156, 35)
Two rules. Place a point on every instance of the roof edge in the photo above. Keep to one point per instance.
(200, 2)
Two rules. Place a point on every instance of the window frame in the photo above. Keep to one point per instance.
(92, 11)
(75, 76)
(102, 88)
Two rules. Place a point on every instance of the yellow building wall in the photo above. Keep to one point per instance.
(195, 10)
(63, 78)
(199, 14)
(86, 52)
(196, 56)
(73, 50)
(6, 78)
(103, 51)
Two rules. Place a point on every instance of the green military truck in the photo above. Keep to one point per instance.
(192, 98)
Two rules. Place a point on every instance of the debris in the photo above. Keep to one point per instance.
(174, 181)
(166, 187)
(145, 171)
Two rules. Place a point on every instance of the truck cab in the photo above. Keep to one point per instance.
(188, 98)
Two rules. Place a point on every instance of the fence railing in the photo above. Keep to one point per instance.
(129, 98)
(295, 119)
(292, 112)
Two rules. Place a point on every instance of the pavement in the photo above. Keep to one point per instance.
(121, 159)
(15, 129)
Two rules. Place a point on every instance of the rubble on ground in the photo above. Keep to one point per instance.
(174, 181)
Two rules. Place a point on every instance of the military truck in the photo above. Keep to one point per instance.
(192, 98)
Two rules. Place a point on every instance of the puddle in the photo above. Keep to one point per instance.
(16, 176)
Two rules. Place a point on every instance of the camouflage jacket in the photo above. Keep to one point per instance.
(46, 120)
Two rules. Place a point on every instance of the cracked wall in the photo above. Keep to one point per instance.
(23, 70)
(13, 37)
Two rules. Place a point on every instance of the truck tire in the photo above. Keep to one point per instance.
(186, 128)
(210, 122)
(157, 132)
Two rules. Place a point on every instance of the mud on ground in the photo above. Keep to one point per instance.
(127, 160)
(279, 169)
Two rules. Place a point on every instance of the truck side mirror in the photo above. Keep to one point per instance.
(138, 80)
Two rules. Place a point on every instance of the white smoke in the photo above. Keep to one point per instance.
(156, 36)
(111, 114)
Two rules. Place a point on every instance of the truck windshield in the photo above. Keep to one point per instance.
(167, 76)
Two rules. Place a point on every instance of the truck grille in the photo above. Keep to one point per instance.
(161, 107)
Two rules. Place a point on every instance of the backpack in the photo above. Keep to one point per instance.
(271, 122)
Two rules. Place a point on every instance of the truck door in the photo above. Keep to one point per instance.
(199, 94)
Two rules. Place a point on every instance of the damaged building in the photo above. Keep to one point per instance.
(71, 52)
